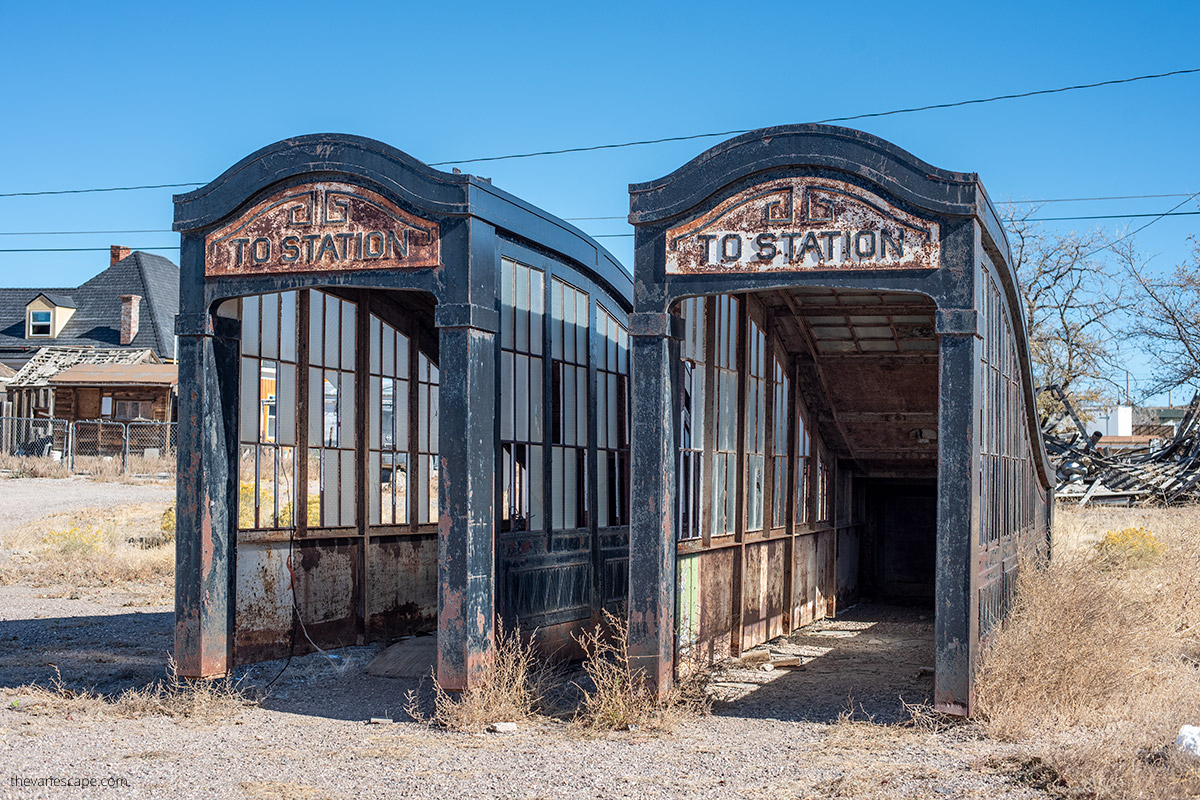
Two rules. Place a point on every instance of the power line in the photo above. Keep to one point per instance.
(594, 236)
(81, 233)
(1167, 213)
(850, 118)
(75, 249)
(1081, 199)
(690, 137)
(105, 189)
(1118, 216)
(996, 202)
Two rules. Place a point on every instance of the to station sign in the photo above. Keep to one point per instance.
(803, 223)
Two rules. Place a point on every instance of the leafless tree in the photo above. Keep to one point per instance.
(1074, 299)
(1168, 320)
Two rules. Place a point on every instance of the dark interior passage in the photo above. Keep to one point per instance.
(808, 460)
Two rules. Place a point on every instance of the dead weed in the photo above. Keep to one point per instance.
(1097, 664)
(174, 696)
(93, 547)
(514, 688)
(617, 697)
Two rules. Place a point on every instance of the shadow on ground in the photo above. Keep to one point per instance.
(867, 659)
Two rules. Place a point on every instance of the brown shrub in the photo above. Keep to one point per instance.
(513, 689)
(618, 698)
(173, 696)
(1096, 668)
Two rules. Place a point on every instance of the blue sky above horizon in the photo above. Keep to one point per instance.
(147, 93)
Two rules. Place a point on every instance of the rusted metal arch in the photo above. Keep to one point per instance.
(971, 238)
(478, 224)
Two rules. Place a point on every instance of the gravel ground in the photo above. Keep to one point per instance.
(24, 500)
(776, 734)
(773, 734)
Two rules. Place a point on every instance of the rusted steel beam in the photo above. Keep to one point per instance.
(206, 488)
(468, 431)
(655, 338)
(956, 629)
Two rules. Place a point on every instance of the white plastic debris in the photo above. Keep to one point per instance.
(1188, 740)
(503, 727)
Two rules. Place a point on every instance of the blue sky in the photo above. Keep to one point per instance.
(133, 93)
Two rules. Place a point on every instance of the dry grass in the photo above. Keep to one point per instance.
(175, 697)
(93, 547)
(618, 698)
(1097, 668)
(514, 689)
(98, 469)
(32, 467)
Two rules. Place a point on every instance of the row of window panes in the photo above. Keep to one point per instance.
(691, 456)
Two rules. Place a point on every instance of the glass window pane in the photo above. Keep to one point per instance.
(248, 401)
(346, 489)
(349, 333)
(433, 418)
(287, 326)
(329, 488)
(316, 405)
(402, 350)
(400, 488)
(507, 268)
(581, 327)
(537, 519)
(377, 345)
(316, 327)
(535, 400)
(602, 489)
(521, 397)
(346, 426)
(581, 395)
(401, 407)
(379, 406)
(285, 404)
(270, 326)
(332, 331)
(374, 496)
(507, 396)
(248, 487)
(557, 490)
(313, 501)
(250, 326)
(570, 486)
(389, 352)
(537, 302)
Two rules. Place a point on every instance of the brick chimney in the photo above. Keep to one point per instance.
(116, 252)
(130, 306)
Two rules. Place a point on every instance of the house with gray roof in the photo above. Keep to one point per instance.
(131, 305)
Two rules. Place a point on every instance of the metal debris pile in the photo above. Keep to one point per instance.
(1166, 474)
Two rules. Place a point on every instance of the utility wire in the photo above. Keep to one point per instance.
(594, 235)
(999, 203)
(616, 145)
(1167, 213)
(105, 189)
(850, 118)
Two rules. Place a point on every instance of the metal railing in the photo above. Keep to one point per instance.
(92, 446)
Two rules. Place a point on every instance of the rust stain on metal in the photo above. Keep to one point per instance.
(803, 223)
(322, 227)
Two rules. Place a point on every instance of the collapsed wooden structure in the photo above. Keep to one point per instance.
(1166, 473)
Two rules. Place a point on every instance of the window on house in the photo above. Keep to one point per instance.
(134, 409)
(39, 323)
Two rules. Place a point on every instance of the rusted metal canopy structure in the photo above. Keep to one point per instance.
(832, 399)
(403, 408)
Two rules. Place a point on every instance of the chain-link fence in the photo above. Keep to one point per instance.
(98, 447)
(35, 438)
